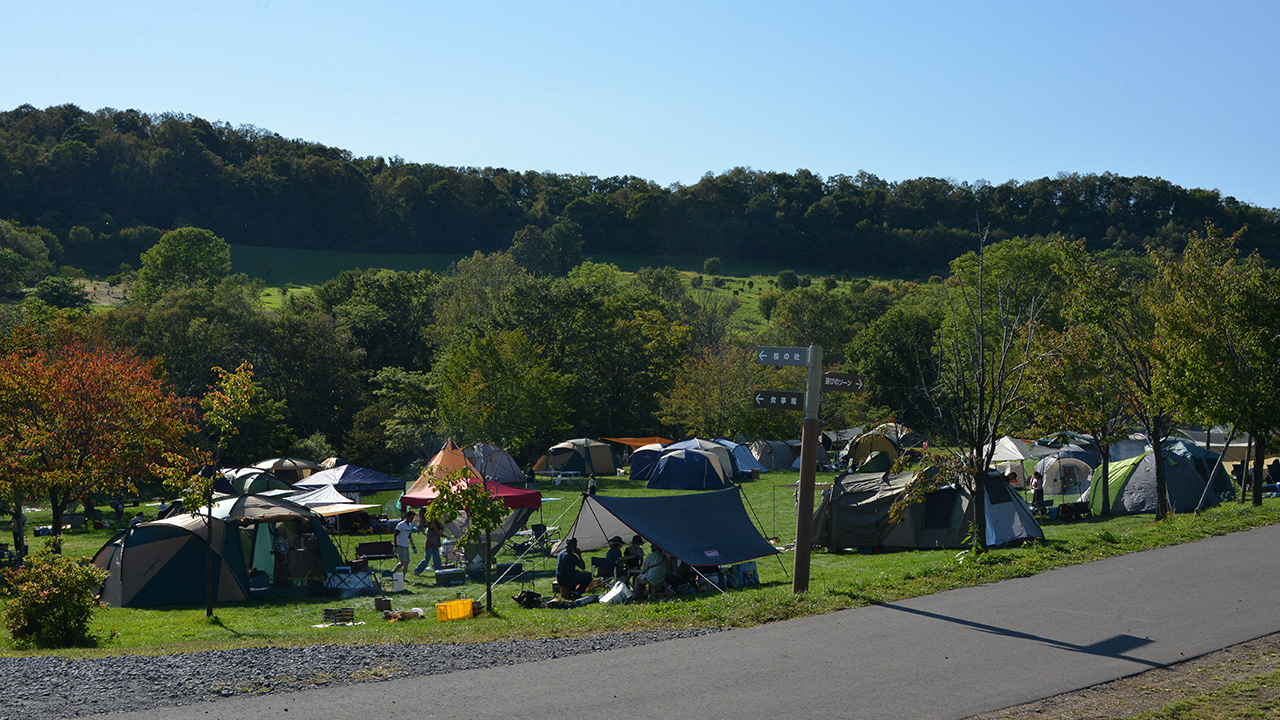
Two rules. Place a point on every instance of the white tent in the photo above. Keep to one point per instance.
(494, 463)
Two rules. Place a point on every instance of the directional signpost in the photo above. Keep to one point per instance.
(782, 356)
(779, 399)
(843, 382)
(810, 357)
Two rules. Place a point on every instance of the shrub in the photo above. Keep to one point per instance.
(787, 280)
(696, 282)
(713, 266)
(53, 599)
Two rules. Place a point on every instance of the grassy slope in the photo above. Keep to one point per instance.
(838, 580)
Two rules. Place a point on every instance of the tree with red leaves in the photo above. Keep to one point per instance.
(80, 417)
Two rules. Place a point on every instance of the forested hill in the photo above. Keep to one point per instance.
(106, 183)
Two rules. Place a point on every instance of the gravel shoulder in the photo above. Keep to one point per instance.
(50, 687)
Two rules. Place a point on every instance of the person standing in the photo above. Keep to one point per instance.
(404, 542)
(1037, 493)
(432, 540)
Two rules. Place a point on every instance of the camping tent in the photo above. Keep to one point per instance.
(327, 502)
(1064, 476)
(351, 480)
(876, 462)
(449, 460)
(1205, 462)
(942, 520)
(1132, 486)
(582, 455)
(699, 529)
(643, 460)
(251, 480)
(288, 469)
(772, 454)
(723, 456)
(494, 463)
(261, 547)
(823, 459)
(743, 458)
(859, 448)
(688, 470)
(512, 497)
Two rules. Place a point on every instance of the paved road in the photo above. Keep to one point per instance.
(950, 655)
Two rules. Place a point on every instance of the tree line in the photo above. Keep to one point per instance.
(96, 189)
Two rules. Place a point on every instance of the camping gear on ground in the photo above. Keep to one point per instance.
(855, 515)
(581, 455)
(528, 599)
(688, 470)
(1132, 486)
(617, 595)
(455, 609)
(451, 576)
(743, 575)
(345, 582)
(710, 528)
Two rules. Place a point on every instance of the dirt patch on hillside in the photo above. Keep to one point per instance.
(1154, 689)
(103, 294)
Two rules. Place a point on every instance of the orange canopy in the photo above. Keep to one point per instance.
(636, 442)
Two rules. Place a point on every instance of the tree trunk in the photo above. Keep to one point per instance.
(19, 527)
(1259, 458)
(488, 583)
(1162, 493)
(980, 512)
(57, 512)
(1104, 480)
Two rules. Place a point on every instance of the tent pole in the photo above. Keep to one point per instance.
(1209, 481)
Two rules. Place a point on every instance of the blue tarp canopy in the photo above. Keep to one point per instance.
(349, 479)
(708, 528)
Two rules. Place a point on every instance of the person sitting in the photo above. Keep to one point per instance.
(652, 579)
(137, 519)
(570, 571)
(611, 564)
(633, 554)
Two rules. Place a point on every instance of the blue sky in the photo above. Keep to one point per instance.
(669, 91)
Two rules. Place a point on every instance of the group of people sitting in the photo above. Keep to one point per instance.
(649, 575)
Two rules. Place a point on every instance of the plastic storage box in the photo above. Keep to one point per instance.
(454, 609)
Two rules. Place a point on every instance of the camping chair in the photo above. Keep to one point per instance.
(542, 538)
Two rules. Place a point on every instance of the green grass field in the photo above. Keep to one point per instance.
(838, 580)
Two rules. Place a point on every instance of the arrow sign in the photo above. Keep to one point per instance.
(779, 399)
(843, 382)
(782, 355)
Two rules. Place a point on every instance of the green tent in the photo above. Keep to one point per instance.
(1132, 486)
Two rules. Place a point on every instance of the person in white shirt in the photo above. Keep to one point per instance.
(404, 541)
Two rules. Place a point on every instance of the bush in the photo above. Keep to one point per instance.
(53, 599)
(696, 282)
(787, 279)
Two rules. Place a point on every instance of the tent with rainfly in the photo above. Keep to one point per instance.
(688, 469)
(262, 547)
(581, 455)
(351, 480)
(855, 514)
(1131, 485)
(772, 454)
(700, 529)
(722, 454)
(743, 458)
(643, 460)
